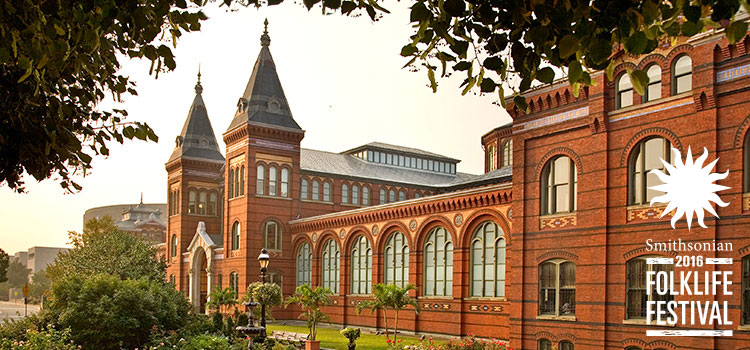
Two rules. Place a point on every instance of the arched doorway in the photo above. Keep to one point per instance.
(199, 280)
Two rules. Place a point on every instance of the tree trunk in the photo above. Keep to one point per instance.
(395, 327)
(385, 321)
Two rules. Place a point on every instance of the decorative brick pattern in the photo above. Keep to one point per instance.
(558, 221)
(646, 213)
(486, 308)
(435, 306)
(733, 73)
(746, 202)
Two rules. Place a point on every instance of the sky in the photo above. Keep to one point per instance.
(343, 79)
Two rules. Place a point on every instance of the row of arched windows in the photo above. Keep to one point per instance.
(352, 193)
(487, 276)
(174, 202)
(559, 180)
(312, 192)
(357, 193)
(271, 235)
(506, 155)
(546, 344)
(274, 183)
(681, 81)
(202, 202)
(236, 181)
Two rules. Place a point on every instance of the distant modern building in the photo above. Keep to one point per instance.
(40, 257)
(140, 219)
(21, 257)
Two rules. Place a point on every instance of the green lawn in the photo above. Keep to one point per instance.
(332, 339)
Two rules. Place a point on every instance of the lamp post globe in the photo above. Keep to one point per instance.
(264, 260)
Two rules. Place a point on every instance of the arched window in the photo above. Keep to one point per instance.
(382, 196)
(236, 236)
(637, 294)
(315, 190)
(557, 288)
(272, 181)
(645, 157)
(559, 178)
(191, 202)
(361, 266)
(438, 263)
(230, 183)
(391, 196)
(234, 283)
(745, 291)
(272, 236)
(746, 166)
(284, 182)
(653, 91)
(401, 195)
(566, 345)
(212, 203)
(327, 191)
(173, 246)
(365, 195)
(237, 181)
(355, 194)
(303, 189)
(397, 260)
(624, 92)
(544, 344)
(172, 280)
(344, 193)
(488, 261)
(202, 202)
(508, 153)
(331, 257)
(304, 265)
(417, 195)
(682, 75)
(219, 280)
(242, 181)
(260, 185)
(491, 158)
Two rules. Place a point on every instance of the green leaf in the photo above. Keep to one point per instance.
(310, 3)
(408, 50)
(611, 70)
(488, 85)
(460, 47)
(690, 28)
(692, 13)
(600, 50)
(736, 31)
(332, 4)
(520, 101)
(455, 8)
(494, 63)
(650, 11)
(545, 75)
(462, 66)
(636, 43)
(568, 45)
(639, 78)
(346, 7)
(574, 72)
(431, 77)
(419, 12)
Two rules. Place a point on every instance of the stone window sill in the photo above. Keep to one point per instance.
(642, 322)
(271, 197)
(567, 318)
(485, 299)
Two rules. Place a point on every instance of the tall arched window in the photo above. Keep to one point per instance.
(745, 291)
(557, 288)
(236, 236)
(544, 344)
(202, 202)
(173, 246)
(237, 181)
(327, 191)
(355, 194)
(653, 91)
(272, 181)
(401, 195)
(645, 157)
(559, 180)
(637, 294)
(492, 158)
(284, 182)
(397, 260)
(508, 153)
(361, 266)
(304, 265)
(488, 261)
(365, 195)
(391, 196)
(682, 75)
(242, 181)
(191, 202)
(230, 183)
(272, 236)
(344, 193)
(234, 283)
(303, 189)
(624, 92)
(746, 165)
(212, 203)
(382, 196)
(316, 190)
(330, 258)
(438, 263)
(260, 184)
(566, 345)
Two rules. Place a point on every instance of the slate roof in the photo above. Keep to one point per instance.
(197, 140)
(351, 166)
(400, 149)
(264, 101)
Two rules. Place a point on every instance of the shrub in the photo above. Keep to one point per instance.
(206, 342)
(48, 339)
(17, 329)
(218, 322)
(467, 343)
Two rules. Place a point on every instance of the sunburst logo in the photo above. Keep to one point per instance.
(689, 187)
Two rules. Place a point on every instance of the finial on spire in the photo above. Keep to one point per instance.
(141, 197)
(198, 86)
(265, 40)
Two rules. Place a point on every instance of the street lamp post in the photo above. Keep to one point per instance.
(263, 259)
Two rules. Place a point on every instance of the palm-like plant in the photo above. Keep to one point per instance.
(221, 299)
(399, 300)
(381, 294)
(311, 300)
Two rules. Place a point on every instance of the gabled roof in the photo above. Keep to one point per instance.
(197, 140)
(264, 101)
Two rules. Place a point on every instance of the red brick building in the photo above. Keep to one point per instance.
(567, 270)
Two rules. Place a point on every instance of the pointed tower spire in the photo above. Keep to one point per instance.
(141, 198)
(197, 139)
(264, 101)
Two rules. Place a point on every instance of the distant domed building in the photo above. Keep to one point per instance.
(140, 219)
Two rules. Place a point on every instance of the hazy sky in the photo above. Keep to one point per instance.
(342, 77)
